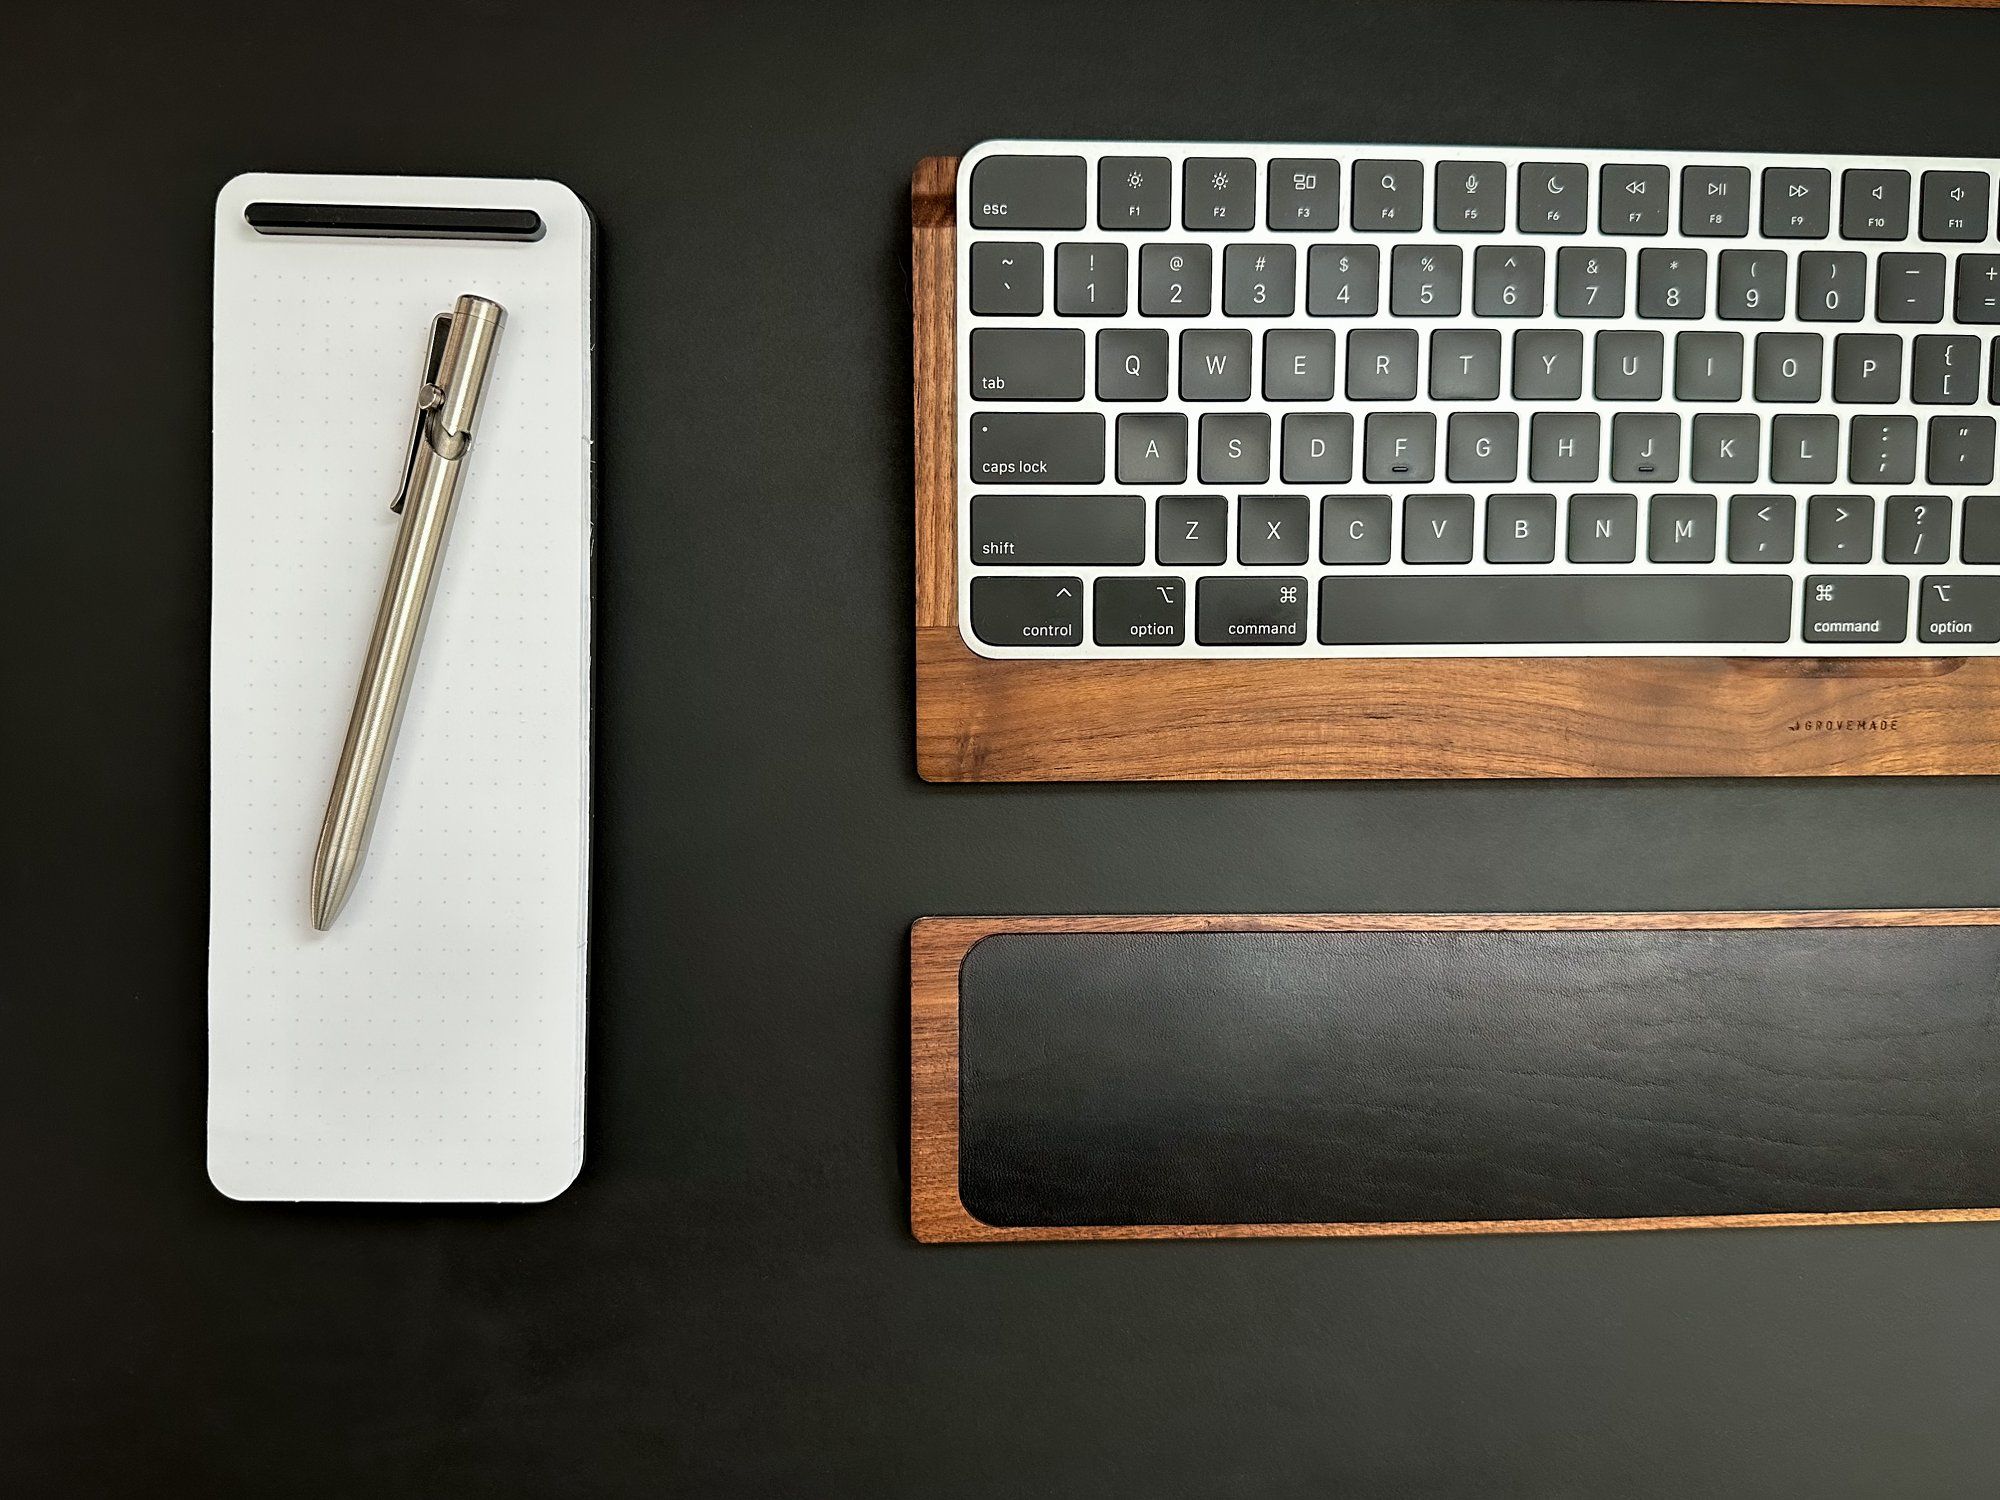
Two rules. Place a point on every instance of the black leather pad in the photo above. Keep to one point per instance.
(1226, 1078)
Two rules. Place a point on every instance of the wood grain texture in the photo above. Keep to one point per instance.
(938, 946)
(1062, 720)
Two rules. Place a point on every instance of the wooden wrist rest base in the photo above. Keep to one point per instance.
(1199, 1076)
(980, 719)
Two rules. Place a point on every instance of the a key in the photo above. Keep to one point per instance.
(1840, 529)
(1673, 283)
(1909, 288)
(1298, 364)
(1563, 447)
(1761, 528)
(1190, 530)
(1961, 609)
(1874, 205)
(1548, 364)
(1471, 197)
(1882, 450)
(1724, 448)
(1139, 612)
(1038, 447)
(1977, 299)
(1152, 447)
(1708, 367)
(1219, 192)
(1554, 197)
(1832, 285)
(1981, 540)
(1257, 281)
(1236, 449)
(1382, 364)
(1528, 609)
(1134, 192)
(1631, 365)
(1006, 279)
(1354, 530)
(1960, 451)
(1175, 281)
(1028, 611)
(1750, 284)
(1317, 448)
(1944, 369)
(1029, 192)
(1035, 530)
(1388, 196)
(1633, 199)
(1955, 206)
(1090, 280)
(1343, 281)
(1856, 607)
(1507, 281)
(1681, 529)
(1788, 367)
(1868, 368)
(1437, 529)
(1465, 364)
(1426, 281)
(1798, 203)
(1250, 611)
(1715, 202)
(1131, 364)
(1916, 529)
(1399, 448)
(1272, 529)
(1645, 447)
(1027, 364)
(1804, 450)
(1590, 281)
(1521, 528)
(1215, 364)
(1303, 195)
(1482, 447)
(1603, 528)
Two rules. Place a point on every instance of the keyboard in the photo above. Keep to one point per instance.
(1395, 401)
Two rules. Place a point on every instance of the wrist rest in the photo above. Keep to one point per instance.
(1186, 1076)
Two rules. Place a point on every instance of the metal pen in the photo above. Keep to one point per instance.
(455, 365)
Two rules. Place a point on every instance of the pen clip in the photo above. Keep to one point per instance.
(429, 398)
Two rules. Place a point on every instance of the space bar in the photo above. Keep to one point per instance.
(1553, 609)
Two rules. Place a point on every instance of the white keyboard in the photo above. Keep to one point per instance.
(1367, 401)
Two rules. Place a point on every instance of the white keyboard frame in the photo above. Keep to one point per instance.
(1313, 570)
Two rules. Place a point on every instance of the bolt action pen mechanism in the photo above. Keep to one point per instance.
(456, 359)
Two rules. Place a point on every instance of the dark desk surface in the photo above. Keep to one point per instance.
(728, 1302)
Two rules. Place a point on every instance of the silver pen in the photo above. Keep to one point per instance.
(455, 364)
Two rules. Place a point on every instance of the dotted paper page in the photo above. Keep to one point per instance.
(430, 1046)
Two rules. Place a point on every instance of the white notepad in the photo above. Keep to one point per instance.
(430, 1047)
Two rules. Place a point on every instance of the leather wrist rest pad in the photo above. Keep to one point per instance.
(1433, 1077)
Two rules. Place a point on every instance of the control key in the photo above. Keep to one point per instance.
(1028, 611)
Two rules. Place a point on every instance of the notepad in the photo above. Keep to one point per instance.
(430, 1047)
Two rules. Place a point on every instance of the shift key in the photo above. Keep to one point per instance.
(1038, 447)
(1036, 530)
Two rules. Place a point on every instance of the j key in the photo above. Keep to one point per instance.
(1874, 205)
(1437, 529)
(1788, 367)
(1304, 195)
(1840, 529)
(1916, 529)
(1708, 367)
(1090, 280)
(1317, 448)
(1465, 364)
(1715, 202)
(1724, 448)
(1673, 283)
(1955, 206)
(1027, 364)
(1978, 296)
(1028, 611)
(1944, 369)
(1273, 529)
(1029, 192)
(1131, 364)
(1257, 281)
(1833, 286)
(1520, 528)
(1530, 609)
(1354, 530)
(1633, 199)
(1868, 367)
(1981, 542)
(1681, 529)
(1761, 528)
(1960, 451)
(1554, 197)
(1645, 447)
(1798, 203)
(1590, 282)
(1856, 607)
(1603, 528)
(1175, 281)
(1471, 197)
(1139, 612)
(1750, 284)
(1426, 281)
(1134, 192)
(1152, 447)
(1219, 192)
(1909, 288)
(1343, 281)
(1388, 196)
(1250, 612)
(1038, 448)
(1034, 530)
(1882, 450)
(1507, 281)
(1006, 279)
(1958, 609)
(1191, 529)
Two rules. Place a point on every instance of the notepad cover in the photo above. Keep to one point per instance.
(430, 1047)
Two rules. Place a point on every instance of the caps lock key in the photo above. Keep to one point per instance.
(1038, 447)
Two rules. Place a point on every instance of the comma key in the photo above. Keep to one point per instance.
(1958, 609)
